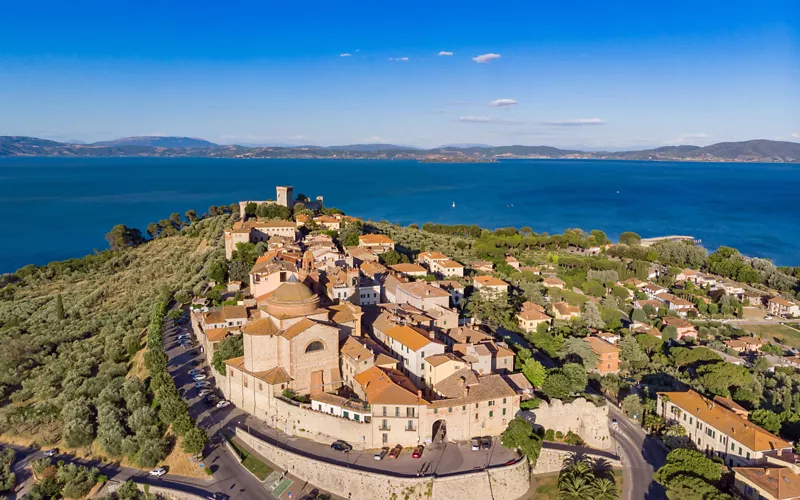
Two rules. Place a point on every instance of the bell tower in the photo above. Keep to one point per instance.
(285, 196)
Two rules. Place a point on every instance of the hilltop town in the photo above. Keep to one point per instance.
(372, 336)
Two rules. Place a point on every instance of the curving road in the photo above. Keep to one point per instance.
(641, 455)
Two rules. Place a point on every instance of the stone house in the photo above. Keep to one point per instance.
(441, 366)
(224, 317)
(359, 354)
(490, 285)
(564, 311)
(482, 266)
(462, 335)
(409, 269)
(454, 288)
(513, 262)
(715, 429)
(683, 327)
(269, 273)
(531, 316)
(377, 243)
(554, 282)
(422, 295)
(410, 345)
(745, 344)
(769, 481)
(447, 268)
(254, 231)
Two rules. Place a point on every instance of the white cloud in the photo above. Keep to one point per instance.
(577, 122)
(796, 135)
(444, 53)
(345, 55)
(502, 103)
(485, 58)
(484, 119)
(398, 59)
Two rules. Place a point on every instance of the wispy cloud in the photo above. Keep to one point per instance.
(484, 119)
(502, 103)
(577, 122)
(683, 138)
(444, 53)
(485, 58)
(398, 59)
(796, 135)
(346, 54)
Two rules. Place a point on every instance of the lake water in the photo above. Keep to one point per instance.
(57, 208)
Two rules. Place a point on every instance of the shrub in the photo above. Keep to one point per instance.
(549, 435)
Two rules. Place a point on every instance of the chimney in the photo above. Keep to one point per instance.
(419, 393)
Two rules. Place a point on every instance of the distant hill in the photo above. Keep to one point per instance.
(158, 142)
(464, 145)
(747, 151)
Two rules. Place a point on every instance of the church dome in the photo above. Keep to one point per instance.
(292, 299)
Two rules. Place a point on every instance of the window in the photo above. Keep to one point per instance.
(410, 425)
(244, 381)
(740, 450)
(505, 361)
(315, 346)
(476, 405)
(748, 455)
(504, 411)
(733, 446)
(491, 414)
(491, 402)
(346, 414)
(450, 410)
(260, 387)
(384, 426)
(464, 408)
(409, 412)
(504, 400)
(396, 411)
(690, 421)
(384, 411)
(435, 411)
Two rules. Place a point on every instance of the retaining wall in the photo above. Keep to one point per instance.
(581, 417)
(500, 483)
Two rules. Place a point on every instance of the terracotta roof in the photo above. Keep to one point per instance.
(383, 360)
(388, 386)
(409, 268)
(375, 239)
(263, 326)
(565, 309)
(533, 315)
(299, 327)
(600, 346)
(370, 268)
(354, 349)
(217, 334)
(780, 483)
(450, 264)
(453, 386)
(553, 281)
(440, 359)
(488, 387)
(726, 421)
(342, 313)
(531, 269)
(273, 376)
(413, 338)
(518, 381)
(432, 256)
(449, 284)
(532, 305)
(421, 289)
(466, 335)
(225, 314)
(489, 281)
(781, 301)
(676, 322)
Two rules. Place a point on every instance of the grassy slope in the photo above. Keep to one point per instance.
(776, 331)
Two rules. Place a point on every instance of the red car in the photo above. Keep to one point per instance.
(417, 451)
(395, 451)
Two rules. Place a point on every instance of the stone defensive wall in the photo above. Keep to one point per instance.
(582, 417)
(550, 460)
(506, 482)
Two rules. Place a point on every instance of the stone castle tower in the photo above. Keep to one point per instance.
(285, 196)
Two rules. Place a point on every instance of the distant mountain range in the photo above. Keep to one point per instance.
(747, 151)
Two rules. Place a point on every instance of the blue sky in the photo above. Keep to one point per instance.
(587, 74)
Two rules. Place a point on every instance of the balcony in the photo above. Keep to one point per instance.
(410, 429)
(385, 428)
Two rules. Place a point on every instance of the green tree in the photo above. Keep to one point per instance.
(650, 344)
(630, 238)
(78, 421)
(766, 419)
(194, 441)
(534, 372)
(632, 406)
(519, 435)
(578, 349)
(591, 316)
(639, 316)
(492, 309)
(153, 230)
(576, 374)
(557, 386)
(393, 257)
(231, 347)
(218, 271)
(59, 308)
(250, 209)
(632, 353)
(690, 475)
(122, 236)
(191, 216)
(718, 378)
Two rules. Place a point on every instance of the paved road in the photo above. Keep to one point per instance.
(641, 455)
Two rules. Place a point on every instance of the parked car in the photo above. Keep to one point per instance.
(417, 453)
(767, 317)
(204, 392)
(202, 384)
(51, 453)
(195, 371)
(395, 451)
(486, 442)
(223, 404)
(475, 444)
(158, 472)
(199, 377)
(381, 454)
(210, 400)
(341, 446)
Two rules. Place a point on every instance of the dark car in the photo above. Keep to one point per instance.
(395, 452)
(486, 442)
(341, 446)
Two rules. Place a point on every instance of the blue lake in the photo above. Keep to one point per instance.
(57, 208)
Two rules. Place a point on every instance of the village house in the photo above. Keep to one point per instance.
(713, 428)
(753, 298)
(513, 262)
(329, 222)
(254, 231)
(428, 258)
(441, 366)
(422, 296)
(610, 337)
(490, 285)
(410, 345)
(486, 357)
(361, 255)
(774, 480)
(360, 354)
(778, 306)
(745, 344)
(223, 317)
(377, 243)
(554, 282)
(676, 304)
(409, 269)
(564, 311)
(608, 356)
(531, 316)
(482, 266)
(531, 269)
(462, 335)
(640, 303)
(683, 327)
(653, 291)
(268, 273)
(447, 268)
